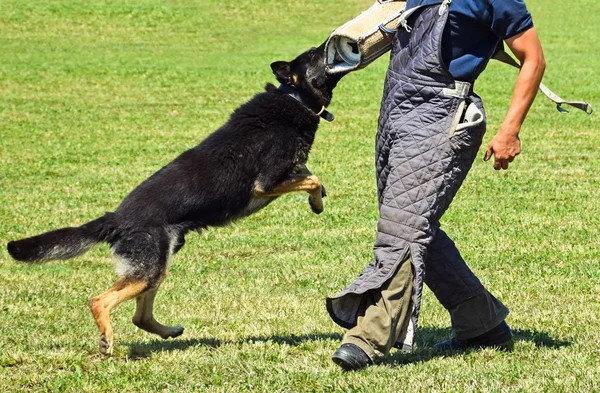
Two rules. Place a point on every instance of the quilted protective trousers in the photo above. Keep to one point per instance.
(429, 132)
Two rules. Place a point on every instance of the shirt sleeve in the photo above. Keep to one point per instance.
(509, 18)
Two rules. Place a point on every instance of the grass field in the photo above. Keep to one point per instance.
(95, 96)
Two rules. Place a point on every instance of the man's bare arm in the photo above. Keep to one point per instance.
(505, 145)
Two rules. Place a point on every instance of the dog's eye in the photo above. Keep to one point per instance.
(312, 52)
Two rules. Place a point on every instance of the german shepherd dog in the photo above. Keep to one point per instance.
(257, 155)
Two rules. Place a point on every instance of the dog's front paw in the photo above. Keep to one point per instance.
(316, 204)
(323, 191)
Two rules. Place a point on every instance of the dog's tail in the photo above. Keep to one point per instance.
(61, 243)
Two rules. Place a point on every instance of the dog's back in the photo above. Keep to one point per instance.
(211, 184)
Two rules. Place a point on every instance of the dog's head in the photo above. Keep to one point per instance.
(307, 73)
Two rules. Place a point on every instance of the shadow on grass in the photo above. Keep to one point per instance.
(540, 339)
(143, 350)
(426, 339)
(294, 339)
(139, 351)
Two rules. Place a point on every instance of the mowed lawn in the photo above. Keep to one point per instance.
(97, 95)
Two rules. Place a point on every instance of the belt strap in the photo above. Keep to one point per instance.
(505, 58)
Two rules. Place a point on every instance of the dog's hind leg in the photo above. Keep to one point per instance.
(297, 183)
(144, 317)
(124, 289)
(141, 259)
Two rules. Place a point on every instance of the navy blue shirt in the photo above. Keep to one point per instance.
(474, 29)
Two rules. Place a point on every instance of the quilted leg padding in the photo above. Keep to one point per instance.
(420, 164)
(447, 274)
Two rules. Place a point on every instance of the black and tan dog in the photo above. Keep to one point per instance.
(258, 155)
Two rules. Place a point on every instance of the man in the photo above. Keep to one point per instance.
(431, 126)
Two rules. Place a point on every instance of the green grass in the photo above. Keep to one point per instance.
(96, 95)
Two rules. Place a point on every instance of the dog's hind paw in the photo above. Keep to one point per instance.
(105, 346)
(174, 331)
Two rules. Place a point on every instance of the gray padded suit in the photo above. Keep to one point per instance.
(430, 129)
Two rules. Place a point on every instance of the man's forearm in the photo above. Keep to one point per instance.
(528, 50)
(506, 145)
(524, 93)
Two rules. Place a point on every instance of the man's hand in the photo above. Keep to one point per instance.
(505, 146)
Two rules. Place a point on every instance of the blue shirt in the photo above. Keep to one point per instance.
(473, 30)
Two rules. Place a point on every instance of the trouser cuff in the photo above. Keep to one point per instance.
(366, 347)
(477, 316)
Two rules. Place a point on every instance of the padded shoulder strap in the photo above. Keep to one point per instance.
(504, 57)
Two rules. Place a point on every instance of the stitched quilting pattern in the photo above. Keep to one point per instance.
(419, 166)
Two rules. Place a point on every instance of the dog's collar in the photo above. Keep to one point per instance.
(295, 94)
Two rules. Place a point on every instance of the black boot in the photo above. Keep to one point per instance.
(351, 357)
(497, 337)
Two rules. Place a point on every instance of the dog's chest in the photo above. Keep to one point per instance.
(256, 203)
(301, 154)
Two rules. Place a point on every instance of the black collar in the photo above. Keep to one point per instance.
(294, 93)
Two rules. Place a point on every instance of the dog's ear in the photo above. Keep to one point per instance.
(283, 72)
